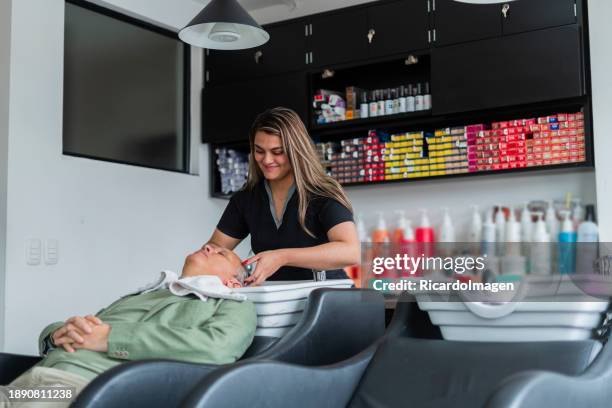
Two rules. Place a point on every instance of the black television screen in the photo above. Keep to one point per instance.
(126, 90)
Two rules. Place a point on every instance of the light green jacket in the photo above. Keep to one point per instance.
(161, 325)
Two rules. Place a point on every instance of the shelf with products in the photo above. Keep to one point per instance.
(446, 161)
(368, 94)
(555, 136)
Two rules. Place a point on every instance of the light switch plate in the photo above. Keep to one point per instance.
(51, 251)
(33, 251)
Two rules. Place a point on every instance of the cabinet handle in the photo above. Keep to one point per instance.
(207, 76)
(305, 30)
(310, 25)
(433, 5)
(505, 10)
(258, 56)
(428, 7)
(371, 35)
(429, 36)
(434, 35)
(309, 58)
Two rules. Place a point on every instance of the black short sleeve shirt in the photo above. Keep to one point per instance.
(248, 212)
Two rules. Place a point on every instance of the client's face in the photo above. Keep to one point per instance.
(216, 261)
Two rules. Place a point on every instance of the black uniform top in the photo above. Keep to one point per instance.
(250, 212)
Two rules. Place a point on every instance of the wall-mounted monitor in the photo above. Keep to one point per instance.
(126, 90)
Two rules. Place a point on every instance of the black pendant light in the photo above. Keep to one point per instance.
(224, 25)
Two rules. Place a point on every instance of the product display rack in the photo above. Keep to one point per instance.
(424, 120)
(430, 123)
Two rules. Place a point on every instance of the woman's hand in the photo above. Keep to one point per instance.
(268, 262)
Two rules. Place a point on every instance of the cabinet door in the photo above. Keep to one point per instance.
(506, 71)
(229, 110)
(286, 50)
(339, 37)
(529, 15)
(457, 22)
(230, 65)
(398, 27)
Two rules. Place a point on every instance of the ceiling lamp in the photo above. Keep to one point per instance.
(484, 1)
(224, 25)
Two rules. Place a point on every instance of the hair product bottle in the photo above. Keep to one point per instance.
(540, 260)
(373, 104)
(567, 245)
(364, 108)
(588, 238)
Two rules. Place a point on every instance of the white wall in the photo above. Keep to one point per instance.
(117, 225)
(5, 53)
(601, 66)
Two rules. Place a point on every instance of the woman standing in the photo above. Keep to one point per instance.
(298, 217)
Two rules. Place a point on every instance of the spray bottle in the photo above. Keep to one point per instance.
(447, 235)
(500, 229)
(355, 271)
(526, 224)
(447, 231)
(588, 238)
(513, 263)
(398, 233)
(567, 245)
(405, 242)
(540, 260)
(424, 237)
(488, 235)
(424, 232)
(526, 232)
(488, 248)
(577, 212)
(475, 231)
(380, 234)
(552, 224)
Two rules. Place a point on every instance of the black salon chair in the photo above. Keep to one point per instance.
(409, 372)
(336, 324)
(412, 366)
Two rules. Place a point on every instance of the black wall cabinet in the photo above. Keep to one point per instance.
(398, 27)
(478, 57)
(528, 15)
(457, 22)
(226, 66)
(229, 110)
(286, 50)
(338, 37)
(385, 28)
(511, 70)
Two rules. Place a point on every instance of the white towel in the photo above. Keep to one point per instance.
(203, 286)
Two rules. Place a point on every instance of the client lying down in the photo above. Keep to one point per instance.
(197, 318)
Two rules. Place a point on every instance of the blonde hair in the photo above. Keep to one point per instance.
(308, 173)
